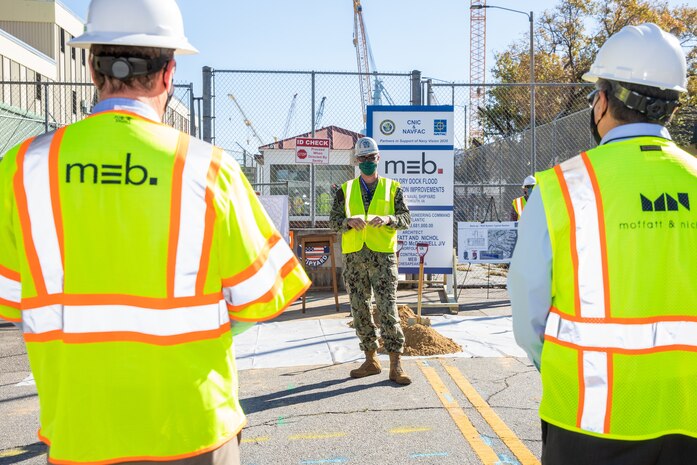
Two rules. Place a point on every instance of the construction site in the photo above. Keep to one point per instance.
(460, 151)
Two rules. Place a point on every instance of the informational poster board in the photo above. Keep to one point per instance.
(417, 150)
(277, 208)
(309, 150)
(488, 242)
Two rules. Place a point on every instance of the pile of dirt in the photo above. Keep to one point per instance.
(423, 340)
(420, 339)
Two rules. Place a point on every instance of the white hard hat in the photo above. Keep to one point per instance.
(530, 181)
(365, 146)
(644, 55)
(136, 23)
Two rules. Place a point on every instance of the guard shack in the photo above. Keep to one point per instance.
(310, 189)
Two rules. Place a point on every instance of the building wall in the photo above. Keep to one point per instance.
(34, 36)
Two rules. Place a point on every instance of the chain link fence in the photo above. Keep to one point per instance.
(256, 116)
(28, 109)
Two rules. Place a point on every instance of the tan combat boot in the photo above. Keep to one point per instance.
(396, 373)
(371, 366)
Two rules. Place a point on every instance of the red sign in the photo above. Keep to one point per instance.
(309, 150)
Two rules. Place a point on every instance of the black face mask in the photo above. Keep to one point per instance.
(594, 125)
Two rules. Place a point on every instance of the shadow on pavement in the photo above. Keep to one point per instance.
(301, 394)
(20, 454)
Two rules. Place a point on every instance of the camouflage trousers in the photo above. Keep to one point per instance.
(365, 273)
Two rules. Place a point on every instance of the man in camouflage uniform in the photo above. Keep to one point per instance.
(368, 211)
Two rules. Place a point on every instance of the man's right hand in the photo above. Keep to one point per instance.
(356, 223)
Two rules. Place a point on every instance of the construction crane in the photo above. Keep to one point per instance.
(320, 113)
(477, 68)
(360, 41)
(247, 122)
(291, 112)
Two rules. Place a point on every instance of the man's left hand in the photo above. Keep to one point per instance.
(380, 221)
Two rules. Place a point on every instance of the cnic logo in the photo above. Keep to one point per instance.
(665, 202)
(128, 174)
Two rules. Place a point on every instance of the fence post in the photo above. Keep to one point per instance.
(429, 91)
(192, 111)
(207, 101)
(415, 87)
(312, 165)
(45, 107)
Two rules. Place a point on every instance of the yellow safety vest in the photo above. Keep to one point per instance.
(620, 354)
(519, 205)
(382, 239)
(127, 247)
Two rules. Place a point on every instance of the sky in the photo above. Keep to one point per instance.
(317, 35)
(431, 36)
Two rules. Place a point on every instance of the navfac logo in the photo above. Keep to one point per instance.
(440, 127)
(364, 144)
(387, 127)
(665, 202)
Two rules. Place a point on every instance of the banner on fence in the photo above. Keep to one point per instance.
(417, 150)
(488, 242)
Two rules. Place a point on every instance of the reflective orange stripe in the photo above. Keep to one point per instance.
(601, 232)
(9, 274)
(210, 220)
(287, 268)
(620, 351)
(126, 336)
(121, 299)
(625, 321)
(8, 303)
(256, 265)
(175, 209)
(54, 184)
(23, 212)
(146, 458)
(572, 235)
(289, 302)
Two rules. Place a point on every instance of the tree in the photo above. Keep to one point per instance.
(565, 48)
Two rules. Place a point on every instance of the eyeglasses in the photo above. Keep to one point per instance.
(367, 158)
(591, 97)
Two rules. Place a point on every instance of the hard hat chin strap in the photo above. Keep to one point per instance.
(124, 68)
(654, 108)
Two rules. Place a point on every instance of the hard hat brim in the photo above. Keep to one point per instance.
(181, 46)
(592, 77)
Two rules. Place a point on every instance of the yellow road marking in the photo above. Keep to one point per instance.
(486, 454)
(409, 430)
(258, 439)
(500, 428)
(11, 453)
(316, 436)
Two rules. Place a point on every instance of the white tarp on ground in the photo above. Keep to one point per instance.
(331, 341)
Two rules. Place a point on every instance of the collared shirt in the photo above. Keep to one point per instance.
(530, 273)
(127, 104)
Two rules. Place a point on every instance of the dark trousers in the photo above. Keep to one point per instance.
(563, 447)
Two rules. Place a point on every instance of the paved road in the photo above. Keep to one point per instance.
(457, 411)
